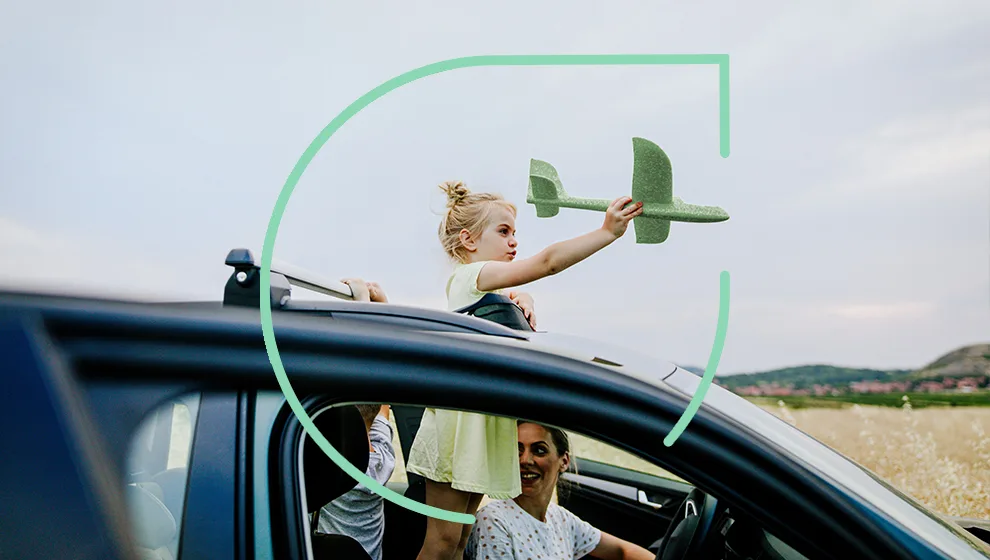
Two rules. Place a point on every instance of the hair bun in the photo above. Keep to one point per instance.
(456, 192)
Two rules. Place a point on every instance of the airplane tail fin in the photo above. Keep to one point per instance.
(652, 183)
(653, 178)
(544, 188)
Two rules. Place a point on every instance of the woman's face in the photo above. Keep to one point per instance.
(539, 463)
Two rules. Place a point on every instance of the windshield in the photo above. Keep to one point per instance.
(836, 467)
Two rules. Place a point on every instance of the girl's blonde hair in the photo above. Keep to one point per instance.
(466, 210)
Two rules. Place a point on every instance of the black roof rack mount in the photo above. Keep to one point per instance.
(245, 282)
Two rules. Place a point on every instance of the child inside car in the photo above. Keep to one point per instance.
(360, 513)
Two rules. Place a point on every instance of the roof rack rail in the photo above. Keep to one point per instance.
(312, 281)
(245, 282)
(244, 285)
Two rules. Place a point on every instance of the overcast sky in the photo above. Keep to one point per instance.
(139, 143)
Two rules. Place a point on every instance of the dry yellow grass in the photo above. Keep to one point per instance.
(940, 456)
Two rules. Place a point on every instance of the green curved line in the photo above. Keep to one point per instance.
(713, 358)
(722, 60)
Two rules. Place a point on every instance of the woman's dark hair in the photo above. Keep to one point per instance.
(368, 412)
(563, 445)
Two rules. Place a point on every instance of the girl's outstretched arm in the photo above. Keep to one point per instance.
(562, 255)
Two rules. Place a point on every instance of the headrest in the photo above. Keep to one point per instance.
(172, 483)
(344, 429)
(154, 488)
(498, 309)
(154, 526)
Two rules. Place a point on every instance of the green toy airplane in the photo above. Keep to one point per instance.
(652, 183)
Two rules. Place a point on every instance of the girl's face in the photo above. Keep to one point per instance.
(539, 463)
(497, 241)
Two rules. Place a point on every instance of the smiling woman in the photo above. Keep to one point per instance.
(531, 525)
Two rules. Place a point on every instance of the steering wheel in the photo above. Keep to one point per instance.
(688, 528)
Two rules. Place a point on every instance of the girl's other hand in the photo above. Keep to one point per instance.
(526, 303)
(366, 291)
(376, 293)
(359, 290)
(618, 216)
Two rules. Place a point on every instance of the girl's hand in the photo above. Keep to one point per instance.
(359, 290)
(526, 303)
(617, 217)
(366, 291)
(376, 293)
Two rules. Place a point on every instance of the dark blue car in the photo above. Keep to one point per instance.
(148, 430)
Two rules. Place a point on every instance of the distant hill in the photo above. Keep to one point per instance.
(806, 377)
(971, 361)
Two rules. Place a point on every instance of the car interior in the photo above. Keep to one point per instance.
(609, 488)
(156, 478)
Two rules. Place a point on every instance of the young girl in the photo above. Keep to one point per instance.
(463, 455)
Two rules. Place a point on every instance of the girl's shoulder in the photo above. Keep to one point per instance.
(465, 274)
(468, 268)
(462, 286)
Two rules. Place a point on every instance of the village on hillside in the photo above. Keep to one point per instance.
(963, 370)
(944, 385)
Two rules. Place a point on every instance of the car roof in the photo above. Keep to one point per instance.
(380, 312)
(621, 361)
(618, 361)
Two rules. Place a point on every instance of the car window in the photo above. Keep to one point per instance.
(609, 492)
(180, 442)
(584, 447)
(157, 467)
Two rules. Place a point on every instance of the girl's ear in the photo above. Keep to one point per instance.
(565, 461)
(466, 241)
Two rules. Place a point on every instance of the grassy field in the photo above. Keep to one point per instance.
(939, 455)
(917, 400)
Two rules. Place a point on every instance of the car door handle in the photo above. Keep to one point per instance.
(641, 498)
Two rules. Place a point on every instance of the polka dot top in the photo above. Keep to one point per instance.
(505, 530)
